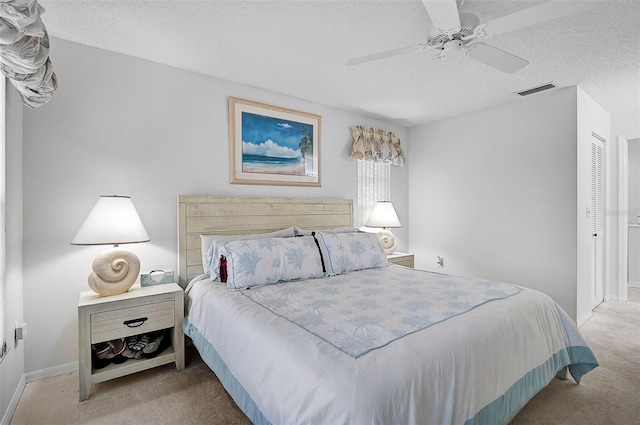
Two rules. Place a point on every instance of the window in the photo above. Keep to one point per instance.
(376, 151)
(374, 184)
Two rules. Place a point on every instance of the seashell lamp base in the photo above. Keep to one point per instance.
(387, 240)
(114, 272)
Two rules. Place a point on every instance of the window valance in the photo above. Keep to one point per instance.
(24, 51)
(374, 145)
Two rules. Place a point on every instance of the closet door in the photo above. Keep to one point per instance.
(597, 219)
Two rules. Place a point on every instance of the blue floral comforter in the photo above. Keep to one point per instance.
(359, 312)
(383, 346)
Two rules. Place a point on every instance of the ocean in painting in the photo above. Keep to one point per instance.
(272, 165)
(274, 145)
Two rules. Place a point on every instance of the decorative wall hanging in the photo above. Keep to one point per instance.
(374, 145)
(24, 51)
(273, 146)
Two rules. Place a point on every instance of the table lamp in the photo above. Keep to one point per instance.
(112, 221)
(384, 215)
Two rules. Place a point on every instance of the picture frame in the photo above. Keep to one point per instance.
(269, 145)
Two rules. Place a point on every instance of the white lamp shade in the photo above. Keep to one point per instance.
(112, 221)
(383, 215)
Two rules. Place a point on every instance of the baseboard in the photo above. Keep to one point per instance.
(6, 419)
(582, 320)
(51, 371)
(634, 284)
(35, 376)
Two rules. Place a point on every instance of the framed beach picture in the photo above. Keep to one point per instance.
(273, 146)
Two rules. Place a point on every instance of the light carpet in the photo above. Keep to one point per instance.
(607, 395)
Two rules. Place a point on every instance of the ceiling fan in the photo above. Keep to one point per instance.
(455, 33)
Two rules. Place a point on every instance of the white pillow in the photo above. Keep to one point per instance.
(211, 245)
(265, 261)
(345, 252)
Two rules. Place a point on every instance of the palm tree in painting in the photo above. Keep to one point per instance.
(306, 142)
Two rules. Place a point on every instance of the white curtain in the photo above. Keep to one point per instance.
(24, 51)
(374, 145)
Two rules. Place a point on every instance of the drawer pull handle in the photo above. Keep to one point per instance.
(134, 323)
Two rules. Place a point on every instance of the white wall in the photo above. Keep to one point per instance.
(121, 125)
(633, 169)
(626, 125)
(495, 194)
(634, 181)
(12, 367)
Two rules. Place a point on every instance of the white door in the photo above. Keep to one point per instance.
(597, 220)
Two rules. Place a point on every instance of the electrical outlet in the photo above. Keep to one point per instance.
(21, 331)
(440, 261)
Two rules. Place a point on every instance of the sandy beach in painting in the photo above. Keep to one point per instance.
(296, 169)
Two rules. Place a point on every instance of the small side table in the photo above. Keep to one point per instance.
(137, 311)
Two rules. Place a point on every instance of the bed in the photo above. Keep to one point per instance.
(362, 342)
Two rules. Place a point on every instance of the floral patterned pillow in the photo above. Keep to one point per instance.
(345, 252)
(212, 245)
(272, 260)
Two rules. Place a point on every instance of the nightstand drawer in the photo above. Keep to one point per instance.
(405, 262)
(136, 320)
(401, 259)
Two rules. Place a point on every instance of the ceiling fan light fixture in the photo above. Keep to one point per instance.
(452, 46)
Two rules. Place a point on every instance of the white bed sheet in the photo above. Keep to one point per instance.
(444, 374)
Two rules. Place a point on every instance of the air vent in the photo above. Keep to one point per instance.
(537, 89)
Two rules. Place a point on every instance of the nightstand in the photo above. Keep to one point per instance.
(401, 259)
(138, 311)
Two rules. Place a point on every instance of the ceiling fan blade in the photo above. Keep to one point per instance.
(496, 58)
(543, 12)
(387, 54)
(443, 14)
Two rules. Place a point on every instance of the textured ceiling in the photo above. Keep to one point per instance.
(299, 48)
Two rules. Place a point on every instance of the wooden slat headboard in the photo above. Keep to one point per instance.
(222, 215)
